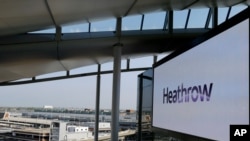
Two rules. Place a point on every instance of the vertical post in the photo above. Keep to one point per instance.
(154, 59)
(58, 33)
(67, 73)
(139, 137)
(50, 132)
(170, 21)
(97, 106)
(89, 27)
(128, 64)
(116, 86)
(215, 17)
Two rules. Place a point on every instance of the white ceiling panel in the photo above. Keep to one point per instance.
(67, 11)
(21, 16)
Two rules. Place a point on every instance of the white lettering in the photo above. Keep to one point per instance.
(239, 132)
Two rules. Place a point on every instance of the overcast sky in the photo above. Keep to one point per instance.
(75, 92)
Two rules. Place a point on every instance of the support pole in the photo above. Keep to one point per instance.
(116, 86)
(97, 106)
(139, 133)
(215, 17)
(116, 94)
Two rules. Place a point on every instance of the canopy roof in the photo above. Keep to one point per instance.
(26, 55)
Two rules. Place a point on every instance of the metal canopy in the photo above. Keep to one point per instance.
(24, 55)
(28, 15)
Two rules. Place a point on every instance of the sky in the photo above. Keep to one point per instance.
(76, 92)
(72, 93)
(81, 92)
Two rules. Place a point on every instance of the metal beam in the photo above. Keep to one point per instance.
(35, 80)
(187, 20)
(228, 13)
(130, 8)
(39, 38)
(190, 4)
(50, 13)
(208, 18)
(142, 22)
(165, 21)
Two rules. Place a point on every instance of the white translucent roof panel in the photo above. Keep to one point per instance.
(51, 30)
(222, 14)
(131, 22)
(198, 18)
(85, 69)
(107, 66)
(28, 15)
(154, 20)
(180, 18)
(236, 9)
(105, 25)
(23, 16)
(53, 74)
(210, 23)
(142, 62)
(74, 28)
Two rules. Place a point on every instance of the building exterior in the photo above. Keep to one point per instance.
(14, 127)
(61, 131)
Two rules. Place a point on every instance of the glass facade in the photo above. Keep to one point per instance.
(144, 105)
(182, 19)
